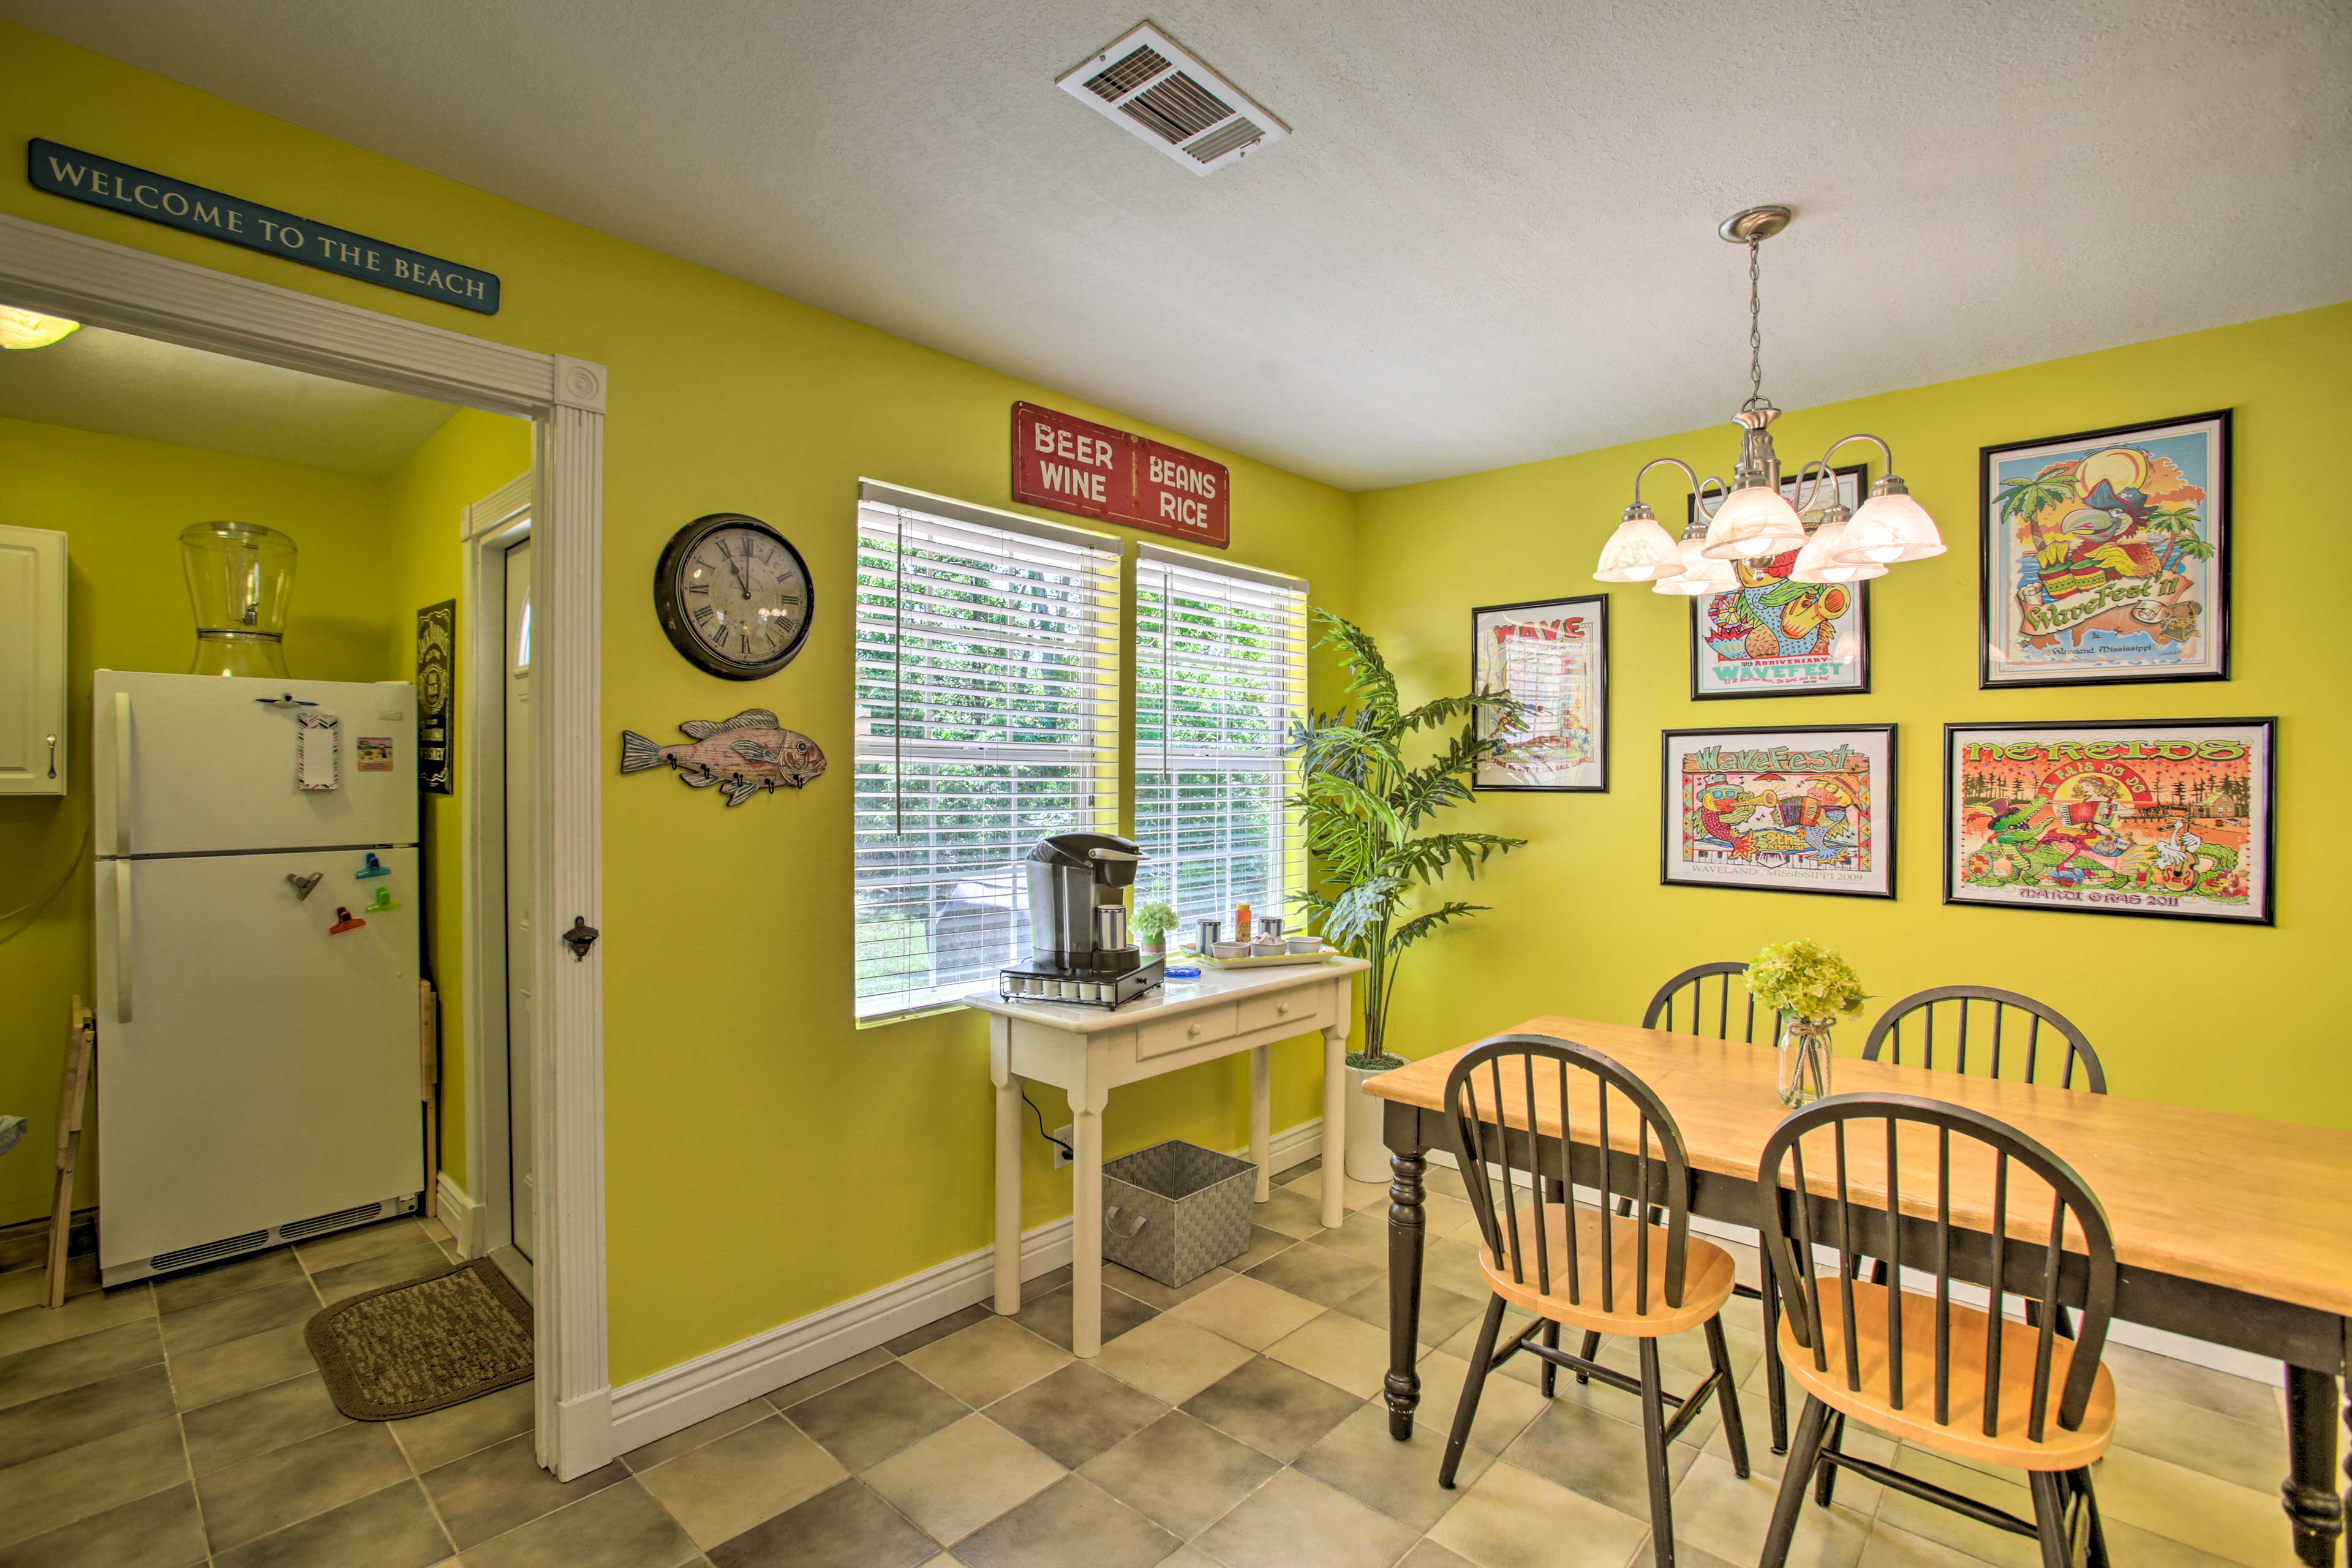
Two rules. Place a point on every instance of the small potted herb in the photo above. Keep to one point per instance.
(1809, 986)
(1152, 922)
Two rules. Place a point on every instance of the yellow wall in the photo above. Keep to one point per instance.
(2234, 1018)
(461, 463)
(122, 504)
(765, 1158)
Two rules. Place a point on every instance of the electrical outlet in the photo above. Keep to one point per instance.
(1069, 1140)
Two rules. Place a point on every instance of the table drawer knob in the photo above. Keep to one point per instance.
(1194, 1033)
(1282, 1009)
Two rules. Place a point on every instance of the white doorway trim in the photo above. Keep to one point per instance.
(486, 530)
(107, 285)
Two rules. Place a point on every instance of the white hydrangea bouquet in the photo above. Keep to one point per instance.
(1811, 987)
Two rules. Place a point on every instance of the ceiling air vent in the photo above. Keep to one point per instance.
(1147, 84)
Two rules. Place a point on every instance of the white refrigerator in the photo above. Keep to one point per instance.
(259, 1070)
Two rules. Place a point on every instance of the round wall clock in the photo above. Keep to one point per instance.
(734, 595)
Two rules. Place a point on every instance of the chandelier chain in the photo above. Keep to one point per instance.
(1756, 398)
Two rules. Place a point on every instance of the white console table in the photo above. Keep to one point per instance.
(1087, 1052)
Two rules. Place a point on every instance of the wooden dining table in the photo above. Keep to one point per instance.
(2229, 1229)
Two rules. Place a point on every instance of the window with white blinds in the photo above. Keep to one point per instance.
(987, 672)
(1220, 690)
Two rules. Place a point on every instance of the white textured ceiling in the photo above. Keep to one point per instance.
(118, 384)
(1491, 237)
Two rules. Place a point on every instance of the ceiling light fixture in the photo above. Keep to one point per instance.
(1749, 519)
(31, 329)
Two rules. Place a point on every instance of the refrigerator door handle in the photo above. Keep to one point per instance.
(122, 957)
(122, 779)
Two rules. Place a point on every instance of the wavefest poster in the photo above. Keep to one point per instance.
(2106, 556)
(1800, 810)
(1553, 655)
(1773, 638)
(2172, 819)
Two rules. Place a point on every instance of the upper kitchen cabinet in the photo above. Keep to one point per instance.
(32, 661)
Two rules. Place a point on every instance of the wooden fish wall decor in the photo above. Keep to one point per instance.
(739, 757)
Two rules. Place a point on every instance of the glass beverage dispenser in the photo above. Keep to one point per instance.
(240, 579)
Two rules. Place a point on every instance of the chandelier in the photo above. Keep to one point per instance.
(1749, 519)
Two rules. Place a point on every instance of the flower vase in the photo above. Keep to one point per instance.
(1804, 1061)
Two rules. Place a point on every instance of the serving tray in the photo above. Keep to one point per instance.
(1271, 961)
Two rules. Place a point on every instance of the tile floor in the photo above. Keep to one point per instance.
(1236, 1422)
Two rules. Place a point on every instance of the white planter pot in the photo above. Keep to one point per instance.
(1367, 1154)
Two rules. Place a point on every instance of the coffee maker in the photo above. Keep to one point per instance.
(1079, 949)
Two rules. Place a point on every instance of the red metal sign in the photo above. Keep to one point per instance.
(1077, 466)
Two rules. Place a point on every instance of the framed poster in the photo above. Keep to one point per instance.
(2106, 556)
(1553, 655)
(2173, 817)
(437, 686)
(1773, 637)
(1805, 809)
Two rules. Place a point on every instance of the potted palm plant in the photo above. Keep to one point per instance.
(1367, 806)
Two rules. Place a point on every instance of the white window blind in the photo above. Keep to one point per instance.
(1220, 689)
(987, 676)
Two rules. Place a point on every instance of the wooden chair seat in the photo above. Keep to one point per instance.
(1964, 1437)
(1706, 1274)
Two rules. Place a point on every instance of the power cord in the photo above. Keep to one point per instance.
(1049, 1137)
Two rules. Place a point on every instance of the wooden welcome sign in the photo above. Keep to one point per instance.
(199, 209)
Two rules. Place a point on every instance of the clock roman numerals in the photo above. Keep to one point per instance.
(735, 596)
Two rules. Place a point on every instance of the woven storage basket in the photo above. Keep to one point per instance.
(1174, 1211)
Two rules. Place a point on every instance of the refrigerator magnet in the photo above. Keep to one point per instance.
(372, 867)
(318, 751)
(344, 921)
(375, 754)
(381, 901)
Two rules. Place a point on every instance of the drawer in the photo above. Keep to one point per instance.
(1301, 1010)
(1185, 1030)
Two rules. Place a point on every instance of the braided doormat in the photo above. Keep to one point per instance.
(424, 1344)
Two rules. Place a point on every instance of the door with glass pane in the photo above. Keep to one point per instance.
(521, 810)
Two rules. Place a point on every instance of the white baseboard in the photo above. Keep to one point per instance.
(2159, 1341)
(676, 1397)
(458, 1212)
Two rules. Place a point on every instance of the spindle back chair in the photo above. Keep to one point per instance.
(1680, 1001)
(1685, 997)
(1529, 1116)
(2041, 1021)
(1938, 1374)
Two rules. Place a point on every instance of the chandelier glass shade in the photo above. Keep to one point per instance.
(1639, 551)
(1701, 572)
(1818, 561)
(1753, 521)
(1889, 528)
(1755, 517)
